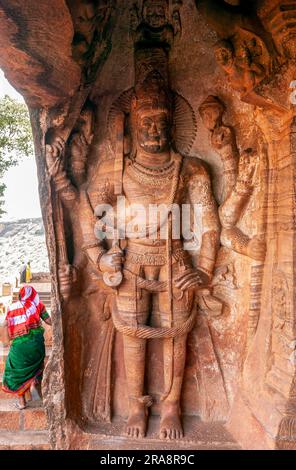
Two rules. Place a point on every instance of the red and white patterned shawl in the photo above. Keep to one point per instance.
(24, 315)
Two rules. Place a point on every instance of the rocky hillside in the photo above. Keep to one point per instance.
(22, 241)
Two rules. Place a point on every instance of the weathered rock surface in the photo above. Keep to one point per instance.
(36, 51)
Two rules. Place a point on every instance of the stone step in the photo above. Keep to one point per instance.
(24, 440)
(32, 418)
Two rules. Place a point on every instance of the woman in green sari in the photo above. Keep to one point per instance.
(25, 361)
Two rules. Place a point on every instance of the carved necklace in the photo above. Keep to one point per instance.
(171, 173)
(155, 177)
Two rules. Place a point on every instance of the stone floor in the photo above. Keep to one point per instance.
(24, 440)
(22, 429)
(198, 436)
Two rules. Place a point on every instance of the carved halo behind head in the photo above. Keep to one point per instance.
(156, 95)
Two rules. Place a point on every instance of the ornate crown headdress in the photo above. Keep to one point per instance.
(147, 3)
(152, 93)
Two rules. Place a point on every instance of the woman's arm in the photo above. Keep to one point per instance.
(5, 331)
(46, 318)
(48, 321)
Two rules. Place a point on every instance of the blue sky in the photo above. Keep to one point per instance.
(21, 195)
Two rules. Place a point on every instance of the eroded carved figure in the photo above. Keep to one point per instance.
(238, 175)
(68, 181)
(156, 20)
(243, 62)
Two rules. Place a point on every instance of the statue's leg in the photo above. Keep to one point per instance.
(134, 359)
(133, 309)
(174, 353)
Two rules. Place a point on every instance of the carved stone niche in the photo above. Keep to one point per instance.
(186, 340)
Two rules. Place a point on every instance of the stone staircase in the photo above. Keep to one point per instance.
(22, 429)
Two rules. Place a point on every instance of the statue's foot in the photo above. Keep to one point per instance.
(170, 424)
(137, 422)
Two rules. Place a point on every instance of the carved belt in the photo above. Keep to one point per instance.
(145, 259)
(156, 256)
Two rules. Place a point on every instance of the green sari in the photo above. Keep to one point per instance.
(25, 362)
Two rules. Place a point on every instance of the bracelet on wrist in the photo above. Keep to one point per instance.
(206, 271)
(101, 253)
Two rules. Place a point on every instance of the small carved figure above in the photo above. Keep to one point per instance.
(243, 61)
(156, 20)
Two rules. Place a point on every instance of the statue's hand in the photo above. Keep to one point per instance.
(79, 147)
(221, 137)
(247, 166)
(190, 279)
(111, 262)
(67, 277)
(256, 249)
(67, 274)
(53, 153)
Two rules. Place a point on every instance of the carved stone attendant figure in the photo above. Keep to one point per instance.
(156, 296)
(68, 180)
(222, 139)
(241, 64)
(238, 176)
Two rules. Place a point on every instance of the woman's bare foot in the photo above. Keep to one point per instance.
(28, 395)
(170, 424)
(137, 420)
(21, 403)
(34, 392)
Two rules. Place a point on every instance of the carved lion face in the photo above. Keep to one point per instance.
(153, 131)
